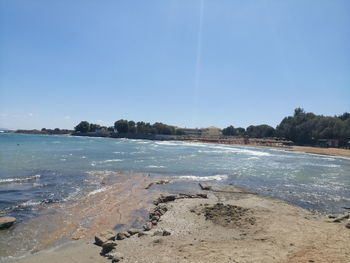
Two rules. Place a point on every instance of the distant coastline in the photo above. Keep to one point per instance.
(270, 143)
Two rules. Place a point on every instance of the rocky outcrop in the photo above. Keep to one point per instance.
(204, 186)
(169, 198)
(107, 239)
(104, 237)
(122, 235)
(158, 182)
(134, 231)
(108, 246)
(7, 222)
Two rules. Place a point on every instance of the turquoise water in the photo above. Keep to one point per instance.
(37, 170)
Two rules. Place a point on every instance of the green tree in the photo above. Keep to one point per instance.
(260, 131)
(82, 127)
(122, 126)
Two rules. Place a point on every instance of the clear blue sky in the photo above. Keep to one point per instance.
(187, 63)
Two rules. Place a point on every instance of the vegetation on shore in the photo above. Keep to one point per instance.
(302, 128)
(131, 127)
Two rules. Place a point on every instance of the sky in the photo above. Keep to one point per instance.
(189, 63)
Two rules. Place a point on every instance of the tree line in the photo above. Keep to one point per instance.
(304, 128)
(132, 127)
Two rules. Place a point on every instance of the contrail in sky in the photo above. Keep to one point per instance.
(198, 60)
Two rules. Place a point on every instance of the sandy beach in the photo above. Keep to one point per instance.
(231, 225)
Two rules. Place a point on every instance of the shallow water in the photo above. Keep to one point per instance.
(37, 171)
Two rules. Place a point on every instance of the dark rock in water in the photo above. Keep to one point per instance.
(7, 222)
(104, 237)
(148, 226)
(134, 231)
(108, 246)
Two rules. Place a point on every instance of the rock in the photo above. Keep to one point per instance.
(166, 233)
(202, 196)
(134, 231)
(158, 182)
(140, 234)
(204, 186)
(114, 256)
(108, 246)
(155, 218)
(117, 257)
(104, 237)
(341, 218)
(148, 226)
(122, 235)
(154, 222)
(165, 199)
(347, 225)
(110, 254)
(6, 222)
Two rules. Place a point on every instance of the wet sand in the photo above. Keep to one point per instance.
(232, 225)
(325, 151)
(123, 204)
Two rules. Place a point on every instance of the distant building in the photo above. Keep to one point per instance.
(191, 132)
(211, 131)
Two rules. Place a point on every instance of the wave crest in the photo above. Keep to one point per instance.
(19, 180)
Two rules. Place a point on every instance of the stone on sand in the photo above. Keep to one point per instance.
(6, 222)
(104, 237)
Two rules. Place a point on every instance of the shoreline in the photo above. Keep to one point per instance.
(260, 229)
(340, 152)
(337, 152)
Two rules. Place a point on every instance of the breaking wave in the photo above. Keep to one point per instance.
(19, 180)
(218, 177)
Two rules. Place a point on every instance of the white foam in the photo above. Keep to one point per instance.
(30, 203)
(103, 189)
(253, 158)
(230, 149)
(155, 166)
(111, 161)
(218, 177)
(167, 143)
(17, 180)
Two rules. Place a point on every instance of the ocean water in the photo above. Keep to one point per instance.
(36, 170)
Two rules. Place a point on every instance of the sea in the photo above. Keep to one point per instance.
(38, 170)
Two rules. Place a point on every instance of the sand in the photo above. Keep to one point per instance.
(232, 225)
(325, 151)
(244, 227)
